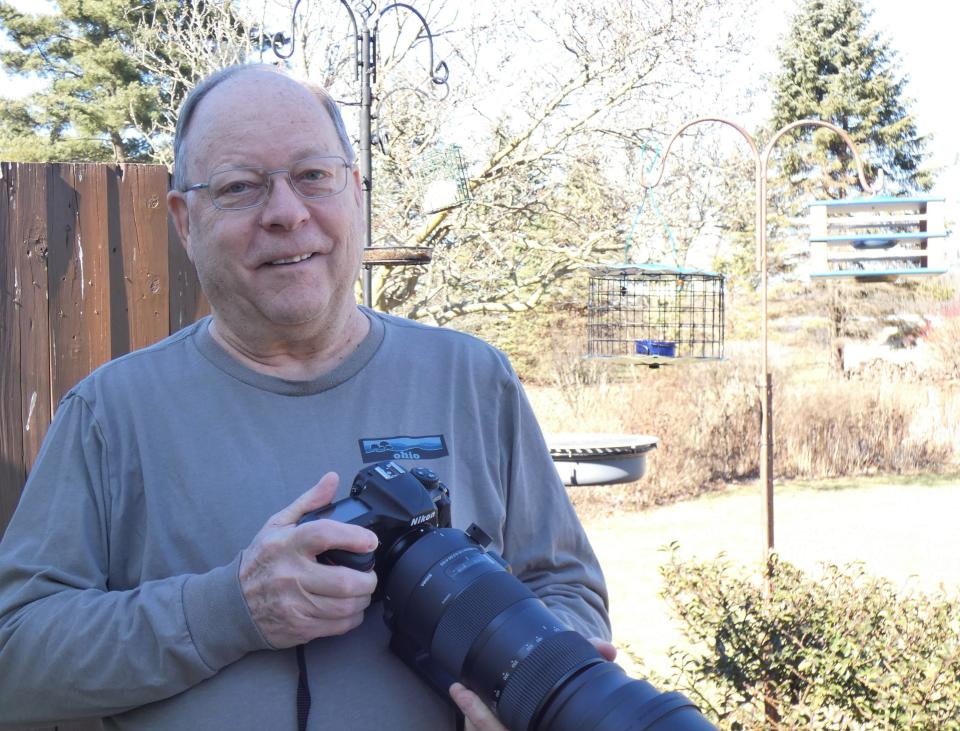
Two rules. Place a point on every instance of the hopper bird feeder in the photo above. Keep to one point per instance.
(876, 239)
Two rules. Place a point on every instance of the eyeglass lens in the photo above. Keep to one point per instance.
(315, 177)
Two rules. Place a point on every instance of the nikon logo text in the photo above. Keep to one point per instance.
(421, 519)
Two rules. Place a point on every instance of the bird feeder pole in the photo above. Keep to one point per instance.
(765, 384)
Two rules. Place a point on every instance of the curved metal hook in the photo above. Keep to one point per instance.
(356, 40)
(869, 190)
(439, 73)
(279, 41)
(366, 8)
(683, 128)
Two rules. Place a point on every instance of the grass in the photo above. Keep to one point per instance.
(932, 480)
(907, 535)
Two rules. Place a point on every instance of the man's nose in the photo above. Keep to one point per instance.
(283, 207)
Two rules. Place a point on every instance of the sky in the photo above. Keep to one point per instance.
(921, 32)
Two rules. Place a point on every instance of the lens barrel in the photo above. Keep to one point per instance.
(483, 626)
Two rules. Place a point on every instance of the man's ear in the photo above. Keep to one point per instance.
(357, 185)
(177, 206)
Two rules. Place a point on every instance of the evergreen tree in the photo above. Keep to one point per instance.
(101, 103)
(834, 68)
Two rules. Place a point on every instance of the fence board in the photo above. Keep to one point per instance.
(12, 471)
(33, 243)
(90, 268)
(86, 268)
(139, 268)
(25, 375)
(79, 274)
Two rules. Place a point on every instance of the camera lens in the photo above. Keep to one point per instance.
(481, 625)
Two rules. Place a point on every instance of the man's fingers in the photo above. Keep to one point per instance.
(478, 716)
(316, 497)
(331, 607)
(338, 582)
(318, 536)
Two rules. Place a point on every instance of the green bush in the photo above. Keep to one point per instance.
(841, 650)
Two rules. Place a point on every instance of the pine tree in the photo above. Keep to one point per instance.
(836, 69)
(101, 103)
(833, 68)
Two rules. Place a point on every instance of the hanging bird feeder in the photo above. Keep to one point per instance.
(878, 238)
(441, 178)
(654, 313)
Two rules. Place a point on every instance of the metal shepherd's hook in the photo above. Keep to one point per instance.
(761, 161)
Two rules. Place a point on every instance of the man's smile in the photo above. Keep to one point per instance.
(291, 259)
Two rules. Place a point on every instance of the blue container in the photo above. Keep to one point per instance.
(664, 348)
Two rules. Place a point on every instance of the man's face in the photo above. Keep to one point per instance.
(288, 266)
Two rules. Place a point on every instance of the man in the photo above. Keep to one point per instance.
(138, 580)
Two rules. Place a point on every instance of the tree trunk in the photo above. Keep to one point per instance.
(838, 319)
(117, 143)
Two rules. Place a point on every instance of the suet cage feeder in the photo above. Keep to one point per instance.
(441, 178)
(654, 314)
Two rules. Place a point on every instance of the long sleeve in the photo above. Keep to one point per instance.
(72, 644)
(543, 538)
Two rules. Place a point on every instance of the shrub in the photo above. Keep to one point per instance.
(707, 417)
(943, 338)
(839, 651)
(834, 429)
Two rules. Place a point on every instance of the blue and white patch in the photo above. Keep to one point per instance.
(403, 447)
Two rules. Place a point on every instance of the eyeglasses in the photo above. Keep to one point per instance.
(249, 187)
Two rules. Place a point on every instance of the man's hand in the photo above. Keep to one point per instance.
(480, 717)
(292, 598)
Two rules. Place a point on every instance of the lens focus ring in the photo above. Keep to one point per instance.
(539, 673)
(470, 613)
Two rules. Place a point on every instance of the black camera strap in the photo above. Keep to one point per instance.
(303, 695)
(303, 691)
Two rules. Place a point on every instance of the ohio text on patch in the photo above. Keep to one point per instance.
(403, 447)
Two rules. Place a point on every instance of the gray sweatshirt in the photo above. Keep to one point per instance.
(119, 589)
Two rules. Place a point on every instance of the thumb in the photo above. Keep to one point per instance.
(316, 497)
(607, 649)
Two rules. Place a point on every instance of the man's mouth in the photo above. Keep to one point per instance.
(290, 260)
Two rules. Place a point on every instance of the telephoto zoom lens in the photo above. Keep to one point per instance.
(481, 625)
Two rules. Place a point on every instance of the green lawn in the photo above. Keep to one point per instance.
(906, 529)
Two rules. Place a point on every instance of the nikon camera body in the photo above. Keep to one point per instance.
(456, 613)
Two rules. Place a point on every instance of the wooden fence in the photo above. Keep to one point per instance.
(90, 268)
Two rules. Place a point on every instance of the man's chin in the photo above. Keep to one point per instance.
(306, 315)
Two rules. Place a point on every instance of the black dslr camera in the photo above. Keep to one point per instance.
(456, 613)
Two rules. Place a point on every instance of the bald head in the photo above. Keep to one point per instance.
(233, 74)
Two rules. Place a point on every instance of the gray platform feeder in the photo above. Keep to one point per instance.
(600, 459)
